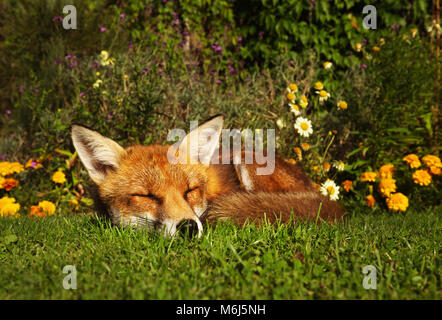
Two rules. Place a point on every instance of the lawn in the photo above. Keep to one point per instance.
(304, 262)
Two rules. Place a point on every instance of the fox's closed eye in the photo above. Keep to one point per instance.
(190, 190)
(146, 195)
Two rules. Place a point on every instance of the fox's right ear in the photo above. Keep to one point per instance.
(97, 153)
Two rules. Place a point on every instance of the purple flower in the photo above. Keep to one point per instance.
(33, 164)
(122, 15)
(21, 88)
(3, 156)
(145, 70)
(261, 34)
(56, 61)
(102, 29)
(239, 39)
(218, 81)
(82, 94)
(95, 65)
(108, 116)
(165, 1)
(363, 66)
(177, 21)
(364, 41)
(131, 45)
(395, 27)
(68, 57)
(57, 18)
(8, 112)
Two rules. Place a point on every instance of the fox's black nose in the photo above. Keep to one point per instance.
(188, 228)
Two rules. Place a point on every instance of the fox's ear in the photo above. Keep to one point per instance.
(97, 153)
(200, 144)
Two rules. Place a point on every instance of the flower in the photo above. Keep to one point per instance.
(339, 165)
(422, 177)
(369, 176)
(326, 166)
(59, 177)
(47, 206)
(290, 96)
(8, 184)
(33, 163)
(413, 32)
(381, 41)
(412, 160)
(105, 60)
(36, 211)
(323, 95)
(280, 123)
(97, 83)
(435, 171)
(8, 207)
(319, 85)
(387, 186)
(74, 203)
(358, 47)
(292, 161)
(397, 202)
(305, 146)
(347, 185)
(295, 109)
(292, 88)
(342, 105)
(370, 201)
(298, 152)
(386, 171)
(7, 168)
(327, 65)
(329, 188)
(303, 102)
(102, 29)
(376, 49)
(432, 161)
(303, 126)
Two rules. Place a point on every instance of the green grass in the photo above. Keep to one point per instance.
(303, 262)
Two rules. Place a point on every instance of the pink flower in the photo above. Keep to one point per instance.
(102, 29)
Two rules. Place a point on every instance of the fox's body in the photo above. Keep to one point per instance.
(139, 186)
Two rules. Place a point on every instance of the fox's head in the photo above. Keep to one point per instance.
(142, 187)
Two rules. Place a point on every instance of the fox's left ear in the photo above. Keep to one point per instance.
(97, 153)
(200, 144)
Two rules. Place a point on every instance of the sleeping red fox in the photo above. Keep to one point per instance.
(139, 185)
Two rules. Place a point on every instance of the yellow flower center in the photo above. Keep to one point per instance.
(304, 126)
(331, 190)
(323, 93)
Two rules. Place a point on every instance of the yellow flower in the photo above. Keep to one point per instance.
(59, 177)
(303, 102)
(386, 171)
(387, 186)
(290, 96)
(315, 168)
(347, 185)
(305, 146)
(8, 207)
(432, 161)
(422, 177)
(47, 206)
(7, 168)
(97, 83)
(412, 160)
(342, 105)
(370, 201)
(435, 171)
(369, 176)
(323, 95)
(292, 161)
(319, 85)
(297, 151)
(292, 88)
(381, 41)
(413, 32)
(295, 109)
(376, 49)
(339, 165)
(327, 65)
(397, 202)
(33, 163)
(326, 166)
(358, 47)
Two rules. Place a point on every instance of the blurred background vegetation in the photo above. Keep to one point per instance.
(176, 61)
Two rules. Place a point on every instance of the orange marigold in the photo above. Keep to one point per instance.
(347, 185)
(422, 177)
(386, 171)
(369, 176)
(8, 184)
(397, 202)
(387, 186)
(432, 161)
(370, 201)
(412, 160)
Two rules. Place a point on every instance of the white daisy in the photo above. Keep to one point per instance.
(280, 123)
(294, 108)
(303, 102)
(303, 126)
(330, 189)
(339, 165)
(292, 88)
(323, 95)
(327, 65)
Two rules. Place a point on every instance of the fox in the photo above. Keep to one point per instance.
(139, 186)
